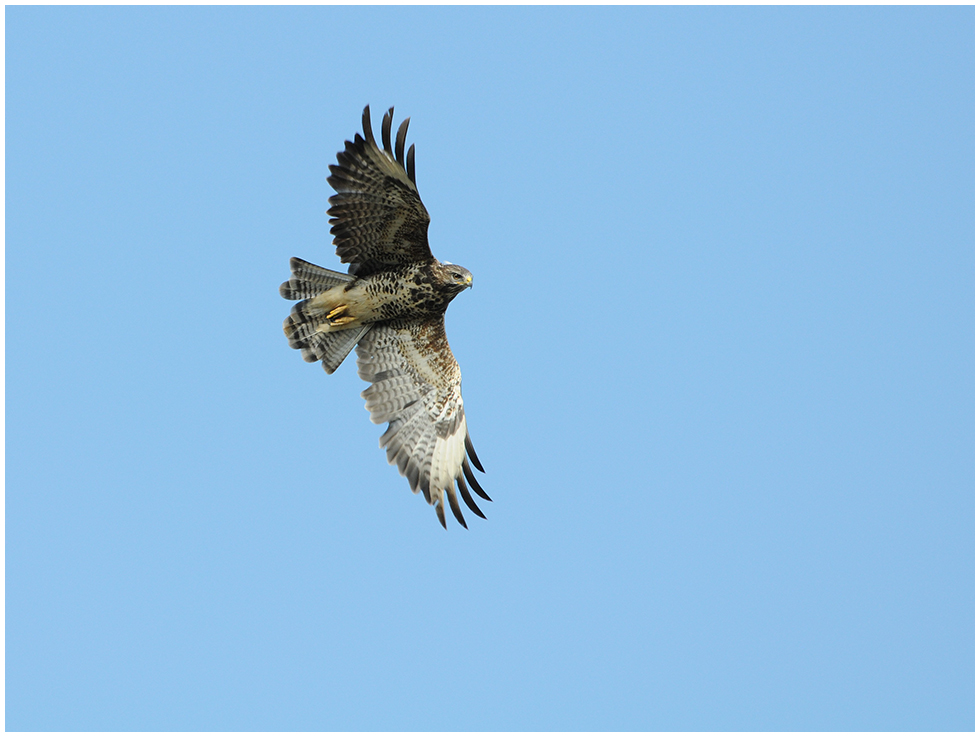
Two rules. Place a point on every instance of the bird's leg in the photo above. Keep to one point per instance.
(340, 316)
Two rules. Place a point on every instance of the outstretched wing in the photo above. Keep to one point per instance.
(378, 220)
(415, 387)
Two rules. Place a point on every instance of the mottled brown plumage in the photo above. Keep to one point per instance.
(391, 305)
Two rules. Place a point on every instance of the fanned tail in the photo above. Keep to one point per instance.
(303, 326)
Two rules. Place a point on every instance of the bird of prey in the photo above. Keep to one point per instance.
(391, 304)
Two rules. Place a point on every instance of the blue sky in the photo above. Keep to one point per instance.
(718, 362)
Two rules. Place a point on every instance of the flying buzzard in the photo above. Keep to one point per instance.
(391, 304)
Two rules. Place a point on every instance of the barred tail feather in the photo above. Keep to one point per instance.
(309, 280)
(331, 347)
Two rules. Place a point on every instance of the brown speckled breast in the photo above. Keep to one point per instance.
(406, 292)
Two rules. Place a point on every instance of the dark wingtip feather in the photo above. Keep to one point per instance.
(411, 163)
(442, 515)
(468, 499)
(386, 129)
(473, 482)
(413, 477)
(454, 505)
(472, 454)
(366, 121)
(400, 142)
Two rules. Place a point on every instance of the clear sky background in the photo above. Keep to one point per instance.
(718, 363)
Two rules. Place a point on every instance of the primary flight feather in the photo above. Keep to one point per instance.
(390, 305)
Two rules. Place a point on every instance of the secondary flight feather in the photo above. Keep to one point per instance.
(391, 305)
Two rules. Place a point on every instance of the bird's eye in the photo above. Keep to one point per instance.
(457, 276)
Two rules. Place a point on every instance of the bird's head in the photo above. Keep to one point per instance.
(454, 277)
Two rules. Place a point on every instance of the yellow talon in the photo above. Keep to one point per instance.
(337, 312)
(343, 320)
